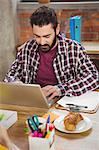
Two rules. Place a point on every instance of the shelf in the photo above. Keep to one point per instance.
(60, 5)
(91, 47)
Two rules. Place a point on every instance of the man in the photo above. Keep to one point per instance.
(5, 141)
(58, 64)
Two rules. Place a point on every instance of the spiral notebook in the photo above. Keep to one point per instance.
(88, 102)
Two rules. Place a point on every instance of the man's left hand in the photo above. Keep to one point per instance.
(51, 91)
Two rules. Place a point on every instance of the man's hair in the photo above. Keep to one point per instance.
(44, 16)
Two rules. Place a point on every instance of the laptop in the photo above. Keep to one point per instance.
(24, 95)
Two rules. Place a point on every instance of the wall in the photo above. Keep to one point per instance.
(90, 23)
(7, 38)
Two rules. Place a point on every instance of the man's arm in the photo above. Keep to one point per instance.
(87, 78)
(5, 140)
(19, 71)
(13, 72)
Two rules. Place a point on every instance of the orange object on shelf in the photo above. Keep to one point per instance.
(43, 1)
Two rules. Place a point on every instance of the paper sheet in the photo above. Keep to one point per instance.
(89, 99)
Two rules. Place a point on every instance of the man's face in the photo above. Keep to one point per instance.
(45, 36)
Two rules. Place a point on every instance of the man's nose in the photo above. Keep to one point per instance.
(42, 41)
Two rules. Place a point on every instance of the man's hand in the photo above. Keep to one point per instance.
(4, 138)
(51, 91)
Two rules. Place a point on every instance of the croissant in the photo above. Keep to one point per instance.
(71, 120)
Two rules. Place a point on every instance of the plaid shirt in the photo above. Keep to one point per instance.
(74, 71)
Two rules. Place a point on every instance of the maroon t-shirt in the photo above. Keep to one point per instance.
(45, 74)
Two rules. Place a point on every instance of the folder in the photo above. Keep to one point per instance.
(75, 28)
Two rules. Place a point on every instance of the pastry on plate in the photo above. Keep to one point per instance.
(71, 120)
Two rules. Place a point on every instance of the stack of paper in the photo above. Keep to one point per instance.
(7, 118)
(89, 100)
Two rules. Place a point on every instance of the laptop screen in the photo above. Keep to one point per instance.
(24, 95)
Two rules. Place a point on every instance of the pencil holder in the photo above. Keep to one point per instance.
(46, 143)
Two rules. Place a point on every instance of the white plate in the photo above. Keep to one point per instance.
(82, 126)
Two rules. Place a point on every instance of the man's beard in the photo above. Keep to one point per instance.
(46, 48)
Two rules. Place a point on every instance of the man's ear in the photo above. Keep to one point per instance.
(58, 29)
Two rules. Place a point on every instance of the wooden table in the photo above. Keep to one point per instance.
(83, 141)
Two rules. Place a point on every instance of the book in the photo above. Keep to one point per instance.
(7, 118)
(72, 30)
(75, 28)
(78, 28)
(87, 102)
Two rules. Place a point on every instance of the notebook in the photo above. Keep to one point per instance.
(89, 102)
(24, 95)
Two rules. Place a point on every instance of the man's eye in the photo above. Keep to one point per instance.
(47, 36)
(37, 37)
